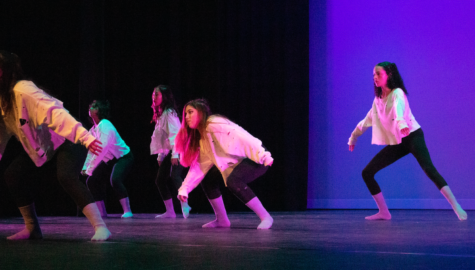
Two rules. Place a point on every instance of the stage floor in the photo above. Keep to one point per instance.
(332, 239)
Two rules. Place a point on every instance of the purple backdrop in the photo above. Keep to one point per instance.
(433, 44)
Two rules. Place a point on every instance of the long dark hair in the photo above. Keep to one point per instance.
(394, 78)
(188, 140)
(10, 66)
(103, 108)
(168, 102)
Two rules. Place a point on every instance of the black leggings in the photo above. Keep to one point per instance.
(116, 171)
(414, 144)
(244, 173)
(68, 160)
(168, 176)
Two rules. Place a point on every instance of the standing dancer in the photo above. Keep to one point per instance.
(114, 162)
(41, 124)
(206, 140)
(167, 125)
(395, 126)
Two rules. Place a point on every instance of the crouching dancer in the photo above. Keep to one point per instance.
(41, 124)
(206, 140)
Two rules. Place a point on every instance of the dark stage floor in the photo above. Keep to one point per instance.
(340, 239)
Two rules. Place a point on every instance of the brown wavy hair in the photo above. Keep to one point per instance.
(188, 140)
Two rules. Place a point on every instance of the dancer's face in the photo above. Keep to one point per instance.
(380, 77)
(93, 110)
(157, 98)
(192, 117)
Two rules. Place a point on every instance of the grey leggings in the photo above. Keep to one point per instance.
(244, 173)
(414, 144)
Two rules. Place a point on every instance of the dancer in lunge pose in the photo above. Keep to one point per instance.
(167, 125)
(112, 164)
(206, 140)
(41, 124)
(395, 126)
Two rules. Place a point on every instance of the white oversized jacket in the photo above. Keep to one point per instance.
(230, 144)
(163, 137)
(387, 117)
(112, 146)
(42, 124)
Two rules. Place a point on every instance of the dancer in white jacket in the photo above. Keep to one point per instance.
(112, 165)
(41, 124)
(205, 141)
(394, 125)
(167, 125)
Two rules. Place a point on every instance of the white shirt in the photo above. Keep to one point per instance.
(230, 144)
(40, 123)
(163, 137)
(111, 142)
(388, 117)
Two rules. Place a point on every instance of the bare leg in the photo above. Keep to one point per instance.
(383, 208)
(461, 214)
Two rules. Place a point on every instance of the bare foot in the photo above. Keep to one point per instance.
(379, 216)
(461, 214)
(266, 223)
(218, 224)
(102, 234)
(127, 215)
(25, 234)
(166, 215)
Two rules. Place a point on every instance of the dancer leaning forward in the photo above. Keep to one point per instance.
(42, 125)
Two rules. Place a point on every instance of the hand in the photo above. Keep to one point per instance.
(405, 131)
(270, 164)
(182, 198)
(352, 147)
(83, 172)
(95, 147)
(175, 161)
(159, 163)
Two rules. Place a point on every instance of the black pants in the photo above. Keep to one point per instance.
(414, 144)
(168, 176)
(244, 173)
(116, 171)
(68, 160)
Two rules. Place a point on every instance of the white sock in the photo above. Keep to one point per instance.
(126, 207)
(266, 219)
(170, 211)
(94, 216)
(32, 227)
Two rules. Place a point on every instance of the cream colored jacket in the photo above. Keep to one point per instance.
(230, 144)
(41, 124)
(387, 117)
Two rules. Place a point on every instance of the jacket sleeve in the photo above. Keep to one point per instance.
(50, 111)
(103, 134)
(4, 137)
(240, 143)
(172, 126)
(362, 126)
(399, 104)
(198, 169)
